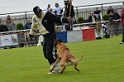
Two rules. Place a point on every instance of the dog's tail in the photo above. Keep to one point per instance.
(75, 60)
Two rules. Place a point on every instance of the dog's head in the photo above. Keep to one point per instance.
(57, 41)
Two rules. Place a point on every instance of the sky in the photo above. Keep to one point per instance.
(9, 6)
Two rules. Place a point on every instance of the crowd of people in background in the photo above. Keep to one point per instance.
(9, 25)
(95, 16)
(59, 11)
(114, 20)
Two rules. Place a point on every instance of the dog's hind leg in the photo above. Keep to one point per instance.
(75, 66)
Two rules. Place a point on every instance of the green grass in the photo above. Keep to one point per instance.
(103, 62)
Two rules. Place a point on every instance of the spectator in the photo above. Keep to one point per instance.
(28, 24)
(111, 17)
(116, 15)
(51, 10)
(69, 12)
(58, 10)
(110, 9)
(122, 21)
(12, 26)
(98, 28)
(116, 18)
(97, 12)
(92, 17)
(111, 24)
(3, 27)
(8, 21)
(48, 7)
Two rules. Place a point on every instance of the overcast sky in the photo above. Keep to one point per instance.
(8, 6)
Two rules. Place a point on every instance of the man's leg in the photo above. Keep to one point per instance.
(48, 49)
(48, 46)
(122, 35)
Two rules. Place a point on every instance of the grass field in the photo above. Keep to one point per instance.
(103, 62)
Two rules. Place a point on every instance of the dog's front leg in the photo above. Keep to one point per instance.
(63, 68)
(55, 63)
(63, 64)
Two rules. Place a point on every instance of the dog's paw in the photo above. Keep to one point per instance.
(50, 73)
(61, 72)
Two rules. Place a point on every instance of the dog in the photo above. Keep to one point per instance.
(64, 56)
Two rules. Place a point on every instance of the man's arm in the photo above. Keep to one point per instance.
(34, 27)
(57, 19)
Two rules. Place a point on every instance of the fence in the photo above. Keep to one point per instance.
(79, 11)
(81, 32)
(84, 10)
(17, 38)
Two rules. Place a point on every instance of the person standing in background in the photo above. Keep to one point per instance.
(110, 9)
(12, 26)
(69, 12)
(97, 12)
(122, 21)
(28, 24)
(48, 7)
(3, 27)
(92, 17)
(8, 21)
(58, 10)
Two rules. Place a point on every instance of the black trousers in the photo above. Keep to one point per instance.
(48, 49)
(123, 34)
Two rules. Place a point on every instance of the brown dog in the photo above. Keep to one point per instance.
(64, 56)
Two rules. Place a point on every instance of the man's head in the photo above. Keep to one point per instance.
(28, 20)
(3, 22)
(12, 22)
(49, 5)
(96, 8)
(91, 13)
(37, 11)
(8, 17)
(56, 4)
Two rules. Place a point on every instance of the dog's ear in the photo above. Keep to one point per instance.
(60, 40)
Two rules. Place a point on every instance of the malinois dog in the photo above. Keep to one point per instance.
(64, 56)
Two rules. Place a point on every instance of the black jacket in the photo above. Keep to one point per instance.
(67, 10)
(46, 25)
(3, 28)
(116, 16)
(90, 18)
(50, 24)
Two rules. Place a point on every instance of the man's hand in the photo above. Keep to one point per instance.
(31, 36)
(69, 19)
